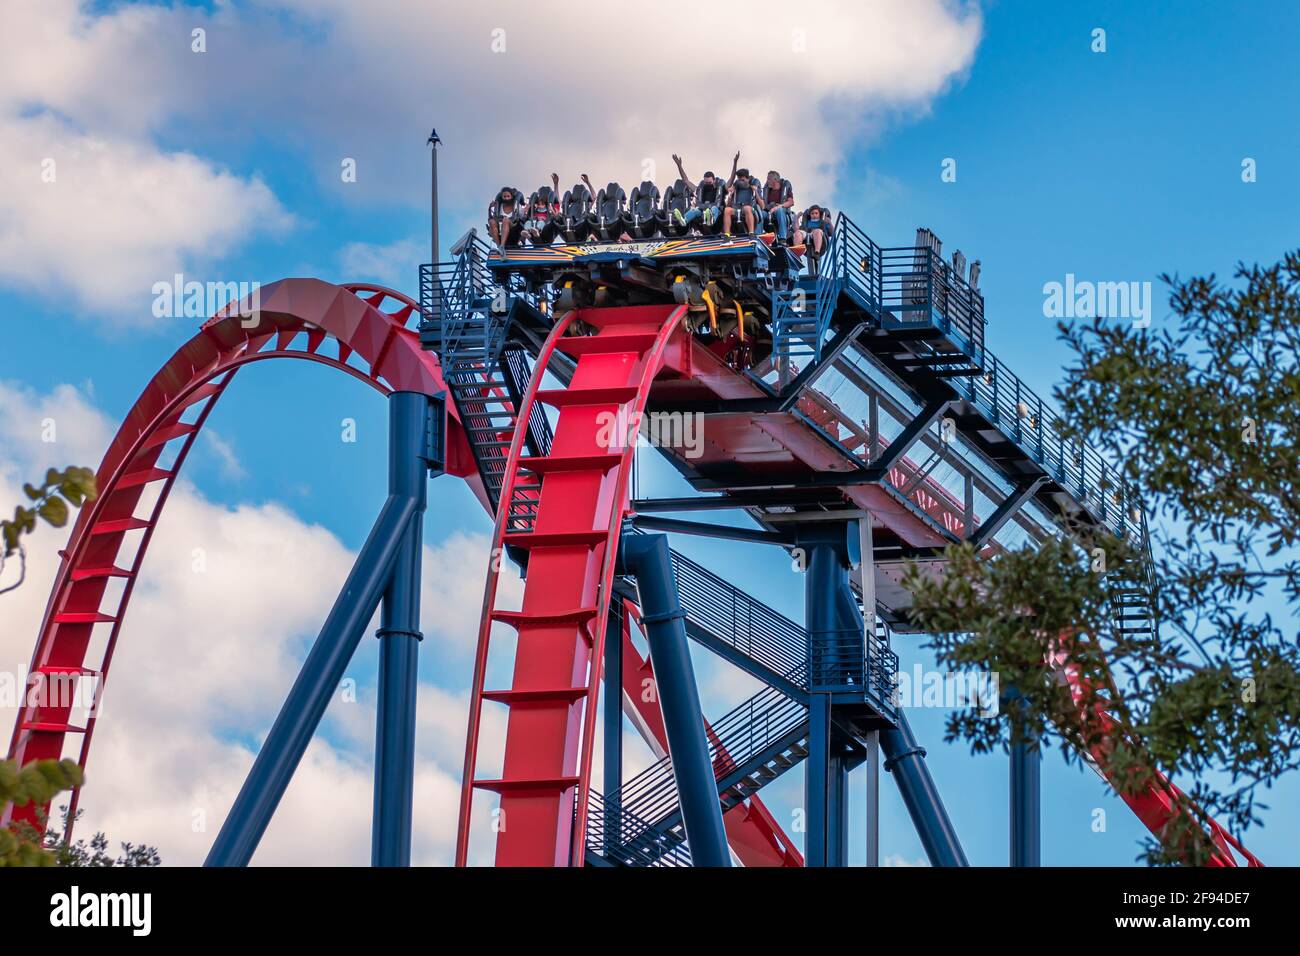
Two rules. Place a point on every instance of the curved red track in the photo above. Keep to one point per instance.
(297, 318)
(568, 519)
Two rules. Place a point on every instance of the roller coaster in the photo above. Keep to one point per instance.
(855, 416)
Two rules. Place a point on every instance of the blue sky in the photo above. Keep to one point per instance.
(1112, 166)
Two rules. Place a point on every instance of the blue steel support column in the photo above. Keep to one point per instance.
(647, 557)
(906, 760)
(399, 637)
(613, 720)
(837, 842)
(311, 692)
(1026, 793)
(822, 787)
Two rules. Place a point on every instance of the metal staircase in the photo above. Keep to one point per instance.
(466, 322)
(741, 629)
(750, 747)
(1133, 589)
(801, 318)
(621, 838)
(771, 647)
(756, 742)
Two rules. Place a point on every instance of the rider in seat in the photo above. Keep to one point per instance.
(709, 197)
(542, 221)
(814, 232)
(743, 204)
(678, 204)
(645, 210)
(506, 217)
(778, 202)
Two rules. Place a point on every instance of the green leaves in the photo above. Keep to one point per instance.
(38, 782)
(26, 845)
(54, 511)
(73, 486)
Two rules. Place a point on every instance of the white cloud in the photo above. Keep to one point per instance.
(391, 265)
(119, 216)
(815, 80)
(226, 454)
(89, 204)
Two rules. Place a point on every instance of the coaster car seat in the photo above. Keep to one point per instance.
(612, 215)
(576, 214)
(676, 197)
(645, 210)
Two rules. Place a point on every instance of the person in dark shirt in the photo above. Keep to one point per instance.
(708, 198)
(777, 202)
(505, 219)
(743, 202)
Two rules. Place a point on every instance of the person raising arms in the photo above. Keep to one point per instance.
(709, 197)
(743, 202)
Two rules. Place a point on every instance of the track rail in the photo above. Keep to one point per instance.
(568, 521)
(1160, 801)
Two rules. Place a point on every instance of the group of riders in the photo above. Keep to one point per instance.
(743, 203)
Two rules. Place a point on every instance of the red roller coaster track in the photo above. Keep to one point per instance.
(568, 520)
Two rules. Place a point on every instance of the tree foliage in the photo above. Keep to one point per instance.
(94, 852)
(23, 844)
(50, 503)
(1203, 416)
(37, 782)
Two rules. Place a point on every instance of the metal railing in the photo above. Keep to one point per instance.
(449, 289)
(843, 660)
(519, 372)
(837, 660)
(622, 837)
(733, 617)
(919, 287)
(857, 262)
(1022, 416)
(882, 667)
